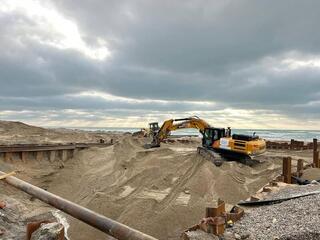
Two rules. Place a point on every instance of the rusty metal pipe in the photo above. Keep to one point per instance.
(106, 225)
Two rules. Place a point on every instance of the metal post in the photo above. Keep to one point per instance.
(106, 225)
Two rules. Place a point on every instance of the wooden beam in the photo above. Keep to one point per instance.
(7, 175)
(286, 169)
(300, 167)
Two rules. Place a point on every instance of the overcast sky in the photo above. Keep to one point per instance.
(111, 63)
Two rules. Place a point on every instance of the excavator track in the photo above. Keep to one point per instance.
(218, 159)
(210, 156)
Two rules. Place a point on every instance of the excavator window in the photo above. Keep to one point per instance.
(207, 139)
(211, 135)
(154, 126)
(216, 135)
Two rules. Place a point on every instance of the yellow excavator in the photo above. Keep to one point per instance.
(214, 140)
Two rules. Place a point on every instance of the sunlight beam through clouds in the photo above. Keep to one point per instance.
(110, 97)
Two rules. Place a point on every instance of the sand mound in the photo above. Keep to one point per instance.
(14, 127)
(311, 174)
(17, 132)
(159, 191)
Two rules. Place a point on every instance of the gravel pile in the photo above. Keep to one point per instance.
(294, 219)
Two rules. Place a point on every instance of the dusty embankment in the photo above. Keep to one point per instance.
(159, 191)
(21, 133)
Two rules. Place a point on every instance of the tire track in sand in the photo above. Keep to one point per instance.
(177, 188)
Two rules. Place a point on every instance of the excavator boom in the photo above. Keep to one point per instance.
(174, 124)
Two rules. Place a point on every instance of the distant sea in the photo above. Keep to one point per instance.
(269, 134)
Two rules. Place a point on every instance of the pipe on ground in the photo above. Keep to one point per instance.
(98, 221)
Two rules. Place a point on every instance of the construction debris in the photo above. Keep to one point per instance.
(6, 175)
(49, 231)
(2, 205)
(214, 223)
(16, 216)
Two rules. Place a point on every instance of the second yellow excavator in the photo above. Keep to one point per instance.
(219, 140)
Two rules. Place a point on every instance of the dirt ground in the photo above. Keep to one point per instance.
(159, 191)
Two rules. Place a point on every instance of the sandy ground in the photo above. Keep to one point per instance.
(158, 191)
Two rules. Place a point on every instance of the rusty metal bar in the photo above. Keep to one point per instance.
(106, 225)
(286, 169)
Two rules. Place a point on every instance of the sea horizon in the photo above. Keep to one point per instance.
(269, 134)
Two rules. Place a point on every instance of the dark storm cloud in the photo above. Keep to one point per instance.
(220, 51)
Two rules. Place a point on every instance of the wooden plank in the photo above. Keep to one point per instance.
(7, 175)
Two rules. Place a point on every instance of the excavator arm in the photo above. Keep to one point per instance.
(175, 124)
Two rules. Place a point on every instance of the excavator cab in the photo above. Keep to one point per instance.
(154, 127)
(210, 135)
